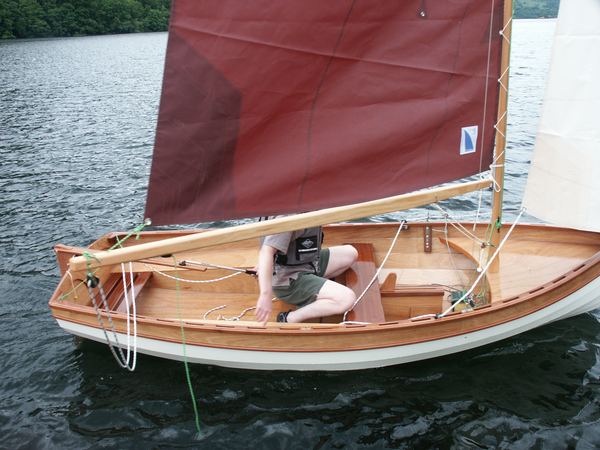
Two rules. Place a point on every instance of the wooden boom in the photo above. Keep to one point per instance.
(279, 225)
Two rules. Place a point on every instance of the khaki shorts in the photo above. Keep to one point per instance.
(305, 288)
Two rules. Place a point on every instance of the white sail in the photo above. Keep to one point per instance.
(564, 181)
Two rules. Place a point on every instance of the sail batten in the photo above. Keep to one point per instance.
(283, 107)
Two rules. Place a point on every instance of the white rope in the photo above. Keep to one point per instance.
(478, 279)
(120, 360)
(239, 316)
(458, 226)
(216, 308)
(508, 22)
(214, 280)
(130, 350)
(502, 85)
(233, 318)
(498, 123)
(402, 223)
(447, 241)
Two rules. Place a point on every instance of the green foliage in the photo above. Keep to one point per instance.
(532, 9)
(43, 18)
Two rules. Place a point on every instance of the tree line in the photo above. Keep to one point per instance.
(44, 18)
(531, 9)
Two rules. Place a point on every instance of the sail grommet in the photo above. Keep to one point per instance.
(422, 13)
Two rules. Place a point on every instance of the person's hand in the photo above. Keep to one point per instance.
(264, 305)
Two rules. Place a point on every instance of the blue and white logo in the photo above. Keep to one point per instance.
(468, 139)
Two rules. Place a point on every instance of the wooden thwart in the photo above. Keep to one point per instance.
(357, 278)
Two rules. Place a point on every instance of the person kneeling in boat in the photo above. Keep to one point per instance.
(293, 267)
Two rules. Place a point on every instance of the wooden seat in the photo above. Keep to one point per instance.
(357, 278)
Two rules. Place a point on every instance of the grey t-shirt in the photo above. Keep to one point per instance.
(281, 242)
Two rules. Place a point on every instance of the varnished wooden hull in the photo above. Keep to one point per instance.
(545, 274)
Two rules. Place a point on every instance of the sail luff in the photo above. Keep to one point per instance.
(253, 230)
(500, 158)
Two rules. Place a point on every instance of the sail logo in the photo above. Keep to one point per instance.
(468, 139)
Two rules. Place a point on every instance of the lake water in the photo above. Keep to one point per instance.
(77, 119)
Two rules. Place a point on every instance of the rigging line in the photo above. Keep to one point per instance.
(459, 227)
(400, 228)
(217, 266)
(313, 105)
(120, 360)
(184, 350)
(508, 22)
(487, 83)
(134, 314)
(498, 123)
(126, 298)
(479, 203)
(214, 280)
(448, 244)
(92, 282)
(216, 308)
(489, 263)
(136, 231)
(462, 230)
(238, 317)
(72, 286)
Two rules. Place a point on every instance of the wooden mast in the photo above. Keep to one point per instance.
(498, 169)
(252, 230)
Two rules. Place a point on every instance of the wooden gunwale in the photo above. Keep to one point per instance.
(343, 337)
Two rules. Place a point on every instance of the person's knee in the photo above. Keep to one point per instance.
(346, 299)
(354, 253)
(351, 254)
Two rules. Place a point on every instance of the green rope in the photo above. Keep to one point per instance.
(135, 231)
(185, 361)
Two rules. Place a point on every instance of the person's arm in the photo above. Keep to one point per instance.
(264, 304)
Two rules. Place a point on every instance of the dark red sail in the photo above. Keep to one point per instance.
(275, 107)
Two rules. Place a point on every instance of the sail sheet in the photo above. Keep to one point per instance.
(563, 187)
(274, 107)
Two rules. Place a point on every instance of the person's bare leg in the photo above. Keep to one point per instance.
(341, 257)
(333, 298)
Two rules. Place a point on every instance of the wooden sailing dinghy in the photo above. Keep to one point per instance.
(346, 111)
